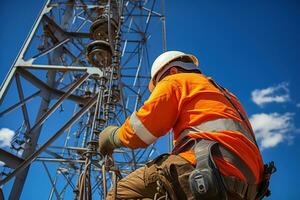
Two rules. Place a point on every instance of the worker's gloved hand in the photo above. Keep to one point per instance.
(109, 140)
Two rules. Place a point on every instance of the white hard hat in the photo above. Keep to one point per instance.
(164, 59)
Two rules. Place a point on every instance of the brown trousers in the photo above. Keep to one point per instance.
(142, 183)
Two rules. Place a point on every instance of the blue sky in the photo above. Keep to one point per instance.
(250, 47)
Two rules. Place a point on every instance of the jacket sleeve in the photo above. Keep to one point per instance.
(154, 119)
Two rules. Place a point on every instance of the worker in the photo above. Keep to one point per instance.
(215, 154)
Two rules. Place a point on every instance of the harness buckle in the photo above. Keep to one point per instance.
(199, 179)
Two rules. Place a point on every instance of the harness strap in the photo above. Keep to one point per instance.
(204, 151)
(230, 100)
(241, 188)
(218, 125)
(222, 152)
(207, 182)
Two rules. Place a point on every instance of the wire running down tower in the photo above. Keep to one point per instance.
(84, 65)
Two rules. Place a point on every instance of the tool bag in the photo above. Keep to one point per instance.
(171, 174)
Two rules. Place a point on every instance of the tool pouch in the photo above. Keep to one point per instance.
(173, 173)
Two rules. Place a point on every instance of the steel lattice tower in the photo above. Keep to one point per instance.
(84, 65)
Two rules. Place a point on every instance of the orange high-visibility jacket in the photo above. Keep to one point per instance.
(184, 100)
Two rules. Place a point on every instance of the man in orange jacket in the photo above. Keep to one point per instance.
(215, 154)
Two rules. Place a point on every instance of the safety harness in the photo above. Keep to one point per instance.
(206, 182)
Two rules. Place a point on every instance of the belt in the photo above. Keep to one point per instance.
(218, 125)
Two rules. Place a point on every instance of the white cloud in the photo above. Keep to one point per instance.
(273, 128)
(276, 94)
(6, 136)
(2, 163)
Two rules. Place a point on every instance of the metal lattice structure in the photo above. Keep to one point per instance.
(84, 65)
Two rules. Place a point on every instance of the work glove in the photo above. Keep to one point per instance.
(109, 140)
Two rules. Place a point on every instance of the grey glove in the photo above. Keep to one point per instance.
(109, 140)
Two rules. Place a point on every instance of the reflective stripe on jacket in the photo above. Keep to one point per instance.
(184, 100)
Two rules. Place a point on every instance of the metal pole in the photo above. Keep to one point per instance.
(10, 75)
(163, 20)
(33, 156)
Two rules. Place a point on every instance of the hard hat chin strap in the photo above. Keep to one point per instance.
(180, 64)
